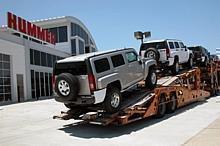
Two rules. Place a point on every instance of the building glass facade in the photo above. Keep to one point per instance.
(5, 78)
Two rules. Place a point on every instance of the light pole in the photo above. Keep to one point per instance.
(141, 35)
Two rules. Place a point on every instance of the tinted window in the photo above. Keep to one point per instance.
(73, 47)
(43, 59)
(31, 56)
(101, 65)
(49, 60)
(75, 68)
(37, 80)
(62, 34)
(158, 45)
(37, 57)
(6, 58)
(171, 45)
(81, 47)
(176, 44)
(32, 84)
(117, 60)
(42, 83)
(131, 57)
(54, 31)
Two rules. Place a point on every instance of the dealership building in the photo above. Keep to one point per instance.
(28, 51)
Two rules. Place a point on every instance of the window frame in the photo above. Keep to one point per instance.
(103, 58)
(132, 60)
(169, 43)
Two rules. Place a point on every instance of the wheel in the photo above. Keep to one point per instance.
(190, 62)
(66, 87)
(113, 100)
(151, 80)
(152, 53)
(161, 109)
(171, 106)
(175, 68)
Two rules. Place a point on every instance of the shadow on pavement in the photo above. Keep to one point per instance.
(85, 130)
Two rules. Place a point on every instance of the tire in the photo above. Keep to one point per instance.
(66, 87)
(161, 109)
(190, 61)
(152, 53)
(113, 100)
(172, 105)
(175, 67)
(151, 80)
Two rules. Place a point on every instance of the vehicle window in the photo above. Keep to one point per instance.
(117, 60)
(181, 45)
(131, 57)
(75, 68)
(176, 44)
(157, 45)
(102, 65)
(171, 45)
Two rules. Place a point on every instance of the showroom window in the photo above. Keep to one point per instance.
(33, 91)
(41, 84)
(81, 47)
(43, 59)
(73, 47)
(77, 30)
(60, 33)
(5, 78)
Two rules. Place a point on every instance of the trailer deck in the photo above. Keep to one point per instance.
(172, 92)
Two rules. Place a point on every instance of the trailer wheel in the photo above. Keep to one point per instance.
(151, 80)
(113, 100)
(161, 109)
(171, 106)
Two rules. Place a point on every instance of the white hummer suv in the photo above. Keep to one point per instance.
(168, 53)
(99, 78)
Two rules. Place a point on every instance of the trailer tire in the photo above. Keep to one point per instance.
(151, 80)
(113, 100)
(172, 105)
(161, 109)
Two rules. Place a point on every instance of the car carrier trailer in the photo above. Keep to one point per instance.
(171, 93)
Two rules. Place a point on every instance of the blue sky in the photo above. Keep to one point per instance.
(113, 22)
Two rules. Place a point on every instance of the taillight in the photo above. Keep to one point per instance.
(92, 84)
(168, 52)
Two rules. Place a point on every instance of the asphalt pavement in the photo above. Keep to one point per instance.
(31, 123)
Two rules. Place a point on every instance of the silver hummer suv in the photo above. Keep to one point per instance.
(98, 79)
